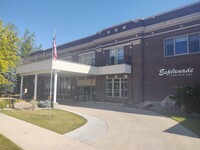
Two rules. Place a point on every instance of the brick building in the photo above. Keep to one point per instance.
(139, 60)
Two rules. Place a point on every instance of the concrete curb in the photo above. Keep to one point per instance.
(93, 129)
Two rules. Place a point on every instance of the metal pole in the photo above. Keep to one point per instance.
(50, 93)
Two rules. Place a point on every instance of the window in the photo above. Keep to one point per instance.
(46, 86)
(117, 87)
(88, 58)
(182, 45)
(124, 27)
(116, 56)
(169, 47)
(109, 87)
(193, 43)
(64, 86)
(124, 87)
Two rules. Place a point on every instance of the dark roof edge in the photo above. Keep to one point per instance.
(171, 10)
(76, 40)
(135, 20)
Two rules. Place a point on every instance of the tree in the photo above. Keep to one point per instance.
(8, 50)
(12, 81)
(11, 49)
(27, 44)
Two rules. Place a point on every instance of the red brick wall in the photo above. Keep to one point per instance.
(156, 87)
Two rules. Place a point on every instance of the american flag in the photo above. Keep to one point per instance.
(54, 47)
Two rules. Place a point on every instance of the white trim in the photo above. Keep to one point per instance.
(152, 16)
(119, 35)
(21, 86)
(116, 46)
(86, 53)
(99, 50)
(147, 36)
(55, 87)
(174, 43)
(172, 22)
(133, 31)
(35, 87)
(120, 87)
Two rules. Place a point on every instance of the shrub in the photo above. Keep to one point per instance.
(189, 97)
(5, 102)
(43, 104)
(19, 100)
(9, 102)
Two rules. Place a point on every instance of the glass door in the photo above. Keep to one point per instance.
(86, 93)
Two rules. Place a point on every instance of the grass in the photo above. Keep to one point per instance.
(6, 144)
(192, 123)
(59, 121)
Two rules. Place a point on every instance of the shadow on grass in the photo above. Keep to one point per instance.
(190, 122)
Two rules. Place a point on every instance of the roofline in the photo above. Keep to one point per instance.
(159, 14)
(168, 11)
(77, 40)
(134, 20)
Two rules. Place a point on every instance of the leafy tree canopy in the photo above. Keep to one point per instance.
(27, 44)
(12, 48)
(8, 50)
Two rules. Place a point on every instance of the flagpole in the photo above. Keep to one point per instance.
(50, 93)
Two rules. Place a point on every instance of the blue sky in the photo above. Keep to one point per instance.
(75, 19)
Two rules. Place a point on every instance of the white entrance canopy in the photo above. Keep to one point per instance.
(45, 66)
(66, 67)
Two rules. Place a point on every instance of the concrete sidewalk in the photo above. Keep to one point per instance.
(32, 137)
(93, 129)
(109, 127)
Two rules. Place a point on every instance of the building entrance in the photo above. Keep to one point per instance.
(86, 89)
(86, 93)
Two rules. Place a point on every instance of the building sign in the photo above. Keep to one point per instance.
(176, 72)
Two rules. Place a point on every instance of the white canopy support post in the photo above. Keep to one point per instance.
(21, 87)
(35, 87)
(55, 87)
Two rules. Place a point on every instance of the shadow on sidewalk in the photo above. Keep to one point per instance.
(119, 107)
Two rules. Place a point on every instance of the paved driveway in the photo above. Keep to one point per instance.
(134, 129)
(114, 128)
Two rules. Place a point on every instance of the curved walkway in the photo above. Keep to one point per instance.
(116, 128)
(93, 129)
(136, 129)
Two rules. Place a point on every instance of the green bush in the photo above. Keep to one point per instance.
(43, 104)
(8, 102)
(189, 97)
(18, 100)
(4, 103)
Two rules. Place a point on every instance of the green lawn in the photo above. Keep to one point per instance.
(6, 144)
(59, 121)
(190, 122)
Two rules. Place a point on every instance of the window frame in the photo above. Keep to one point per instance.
(121, 81)
(117, 51)
(174, 46)
(86, 61)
